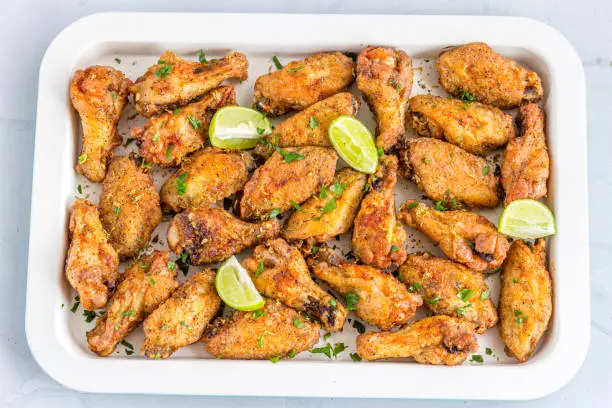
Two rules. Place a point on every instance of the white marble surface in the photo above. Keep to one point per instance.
(28, 26)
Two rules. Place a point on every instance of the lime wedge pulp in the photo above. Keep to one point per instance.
(235, 287)
(527, 219)
(237, 127)
(354, 143)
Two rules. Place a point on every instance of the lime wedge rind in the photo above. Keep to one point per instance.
(527, 219)
(354, 143)
(238, 128)
(235, 287)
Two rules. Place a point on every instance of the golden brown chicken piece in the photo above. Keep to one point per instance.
(378, 239)
(525, 304)
(280, 272)
(384, 75)
(302, 83)
(474, 127)
(285, 179)
(329, 213)
(147, 283)
(449, 174)
(181, 319)
(209, 234)
(525, 168)
(208, 176)
(274, 332)
(463, 236)
(487, 76)
(450, 288)
(433, 340)
(375, 296)
(98, 94)
(92, 264)
(174, 82)
(129, 206)
(166, 139)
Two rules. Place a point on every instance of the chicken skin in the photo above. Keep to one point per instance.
(465, 237)
(384, 75)
(449, 174)
(92, 264)
(208, 176)
(146, 284)
(129, 206)
(376, 296)
(287, 179)
(302, 83)
(450, 289)
(181, 319)
(474, 127)
(174, 82)
(475, 69)
(434, 340)
(280, 272)
(98, 94)
(525, 304)
(276, 331)
(525, 168)
(166, 139)
(378, 239)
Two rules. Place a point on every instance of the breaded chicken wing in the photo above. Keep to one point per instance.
(491, 78)
(92, 264)
(280, 272)
(98, 94)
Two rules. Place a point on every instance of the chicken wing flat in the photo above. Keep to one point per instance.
(208, 176)
(433, 340)
(174, 82)
(276, 331)
(288, 178)
(376, 296)
(525, 305)
(181, 319)
(129, 206)
(280, 272)
(302, 83)
(474, 127)
(92, 264)
(166, 139)
(146, 284)
(449, 174)
(98, 94)
(384, 75)
(489, 77)
(378, 239)
(450, 288)
(209, 234)
(525, 168)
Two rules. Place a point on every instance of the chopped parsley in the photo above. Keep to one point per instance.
(274, 213)
(412, 205)
(80, 189)
(322, 193)
(298, 323)
(296, 69)
(313, 122)
(275, 359)
(82, 158)
(195, 123)
(465, 294)
(433, 301)
(260, 131)
(258, 313)
(461, 310)
(116, 210)
(339, 348)
(164, 69)
(485, 170)
(156, 137)
(89, 315)
(520, 318)
(290, 156)
(427, 160)
(297, 207)
(127, 344)
(171, 265)
(118, 60)
(380, 151)
(169, 151)
(333, 303)
(330, 206)
(181, 184)
(488, 351)
(359, 326)
(128, 313)
(326, 336)
(415, 287)
(337, 188)
(514, 280)
(260, 268)
(152, 281)
(176, 111)
(202, 57)
(75, 306)
(355, 357)
(182, 322)
(115, 96)
(394, 248)
(477, 358)
(292, 353)
(261, 336)
(467, 98)
(484, 295)
(183, 263)
(351, 299)
(327, 350)
(277, 63)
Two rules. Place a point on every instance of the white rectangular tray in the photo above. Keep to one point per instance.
(57, 337)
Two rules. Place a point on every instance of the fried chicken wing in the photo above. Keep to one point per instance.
(381, 299)
(302, 83)
(129, 206)
(525, 304)
(525, 168)
(166, 139)
(280, 272)
(491, 78)
(473, 126)
(463, 236)
(378, 239)
(384, 75)
(98, 94)
(92, 264)
(174, 82)
(450, 288)
(433, 340)
(181, 319)
(146, 284)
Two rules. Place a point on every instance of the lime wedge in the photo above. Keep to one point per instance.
(527, 219)
(235, 287)
(354, 143)
(237, 127)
